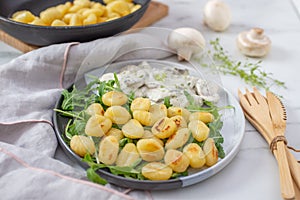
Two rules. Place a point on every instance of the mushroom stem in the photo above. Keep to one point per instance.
(184, 54)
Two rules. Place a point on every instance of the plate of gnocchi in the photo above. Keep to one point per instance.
(148, 124)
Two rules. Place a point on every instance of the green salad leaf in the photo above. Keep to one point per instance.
(94, 177)
(126, 171)
(167, 102)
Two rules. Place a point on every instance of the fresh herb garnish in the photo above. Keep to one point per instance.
(250, 73)
(160, 77)
(167, 102)
(215, 134)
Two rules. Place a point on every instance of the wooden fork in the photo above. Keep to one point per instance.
(294, 166)
(256, 106)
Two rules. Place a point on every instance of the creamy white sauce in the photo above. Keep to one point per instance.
(158, 83)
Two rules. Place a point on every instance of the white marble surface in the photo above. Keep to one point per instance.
(253, 173)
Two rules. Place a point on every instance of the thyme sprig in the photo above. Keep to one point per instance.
(250, 73)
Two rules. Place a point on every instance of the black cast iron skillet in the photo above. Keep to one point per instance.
(46, 35)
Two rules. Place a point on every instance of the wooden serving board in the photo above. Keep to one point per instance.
(154, 13)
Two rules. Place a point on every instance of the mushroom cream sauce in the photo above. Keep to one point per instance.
(158, 83)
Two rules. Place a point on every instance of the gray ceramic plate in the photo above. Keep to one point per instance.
(232, 131)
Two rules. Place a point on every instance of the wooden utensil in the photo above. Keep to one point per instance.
(294, 166)
(255, 105)
(278, 116)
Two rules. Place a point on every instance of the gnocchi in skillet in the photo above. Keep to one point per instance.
(78, 13)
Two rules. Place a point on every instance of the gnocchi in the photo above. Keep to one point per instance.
(97, 126)
(157, 171)
(50, 14)
(205, 117)
(118, 114)
(115, 132)
(199, 130)
(140, 104)
(133, 129)
(82, 145)
(179, 121)
(164, 128)
(95, 109)
(78, 13)
(195, 154)
(108, 150)
(23, 16)
(158, 111)
(150, 150)
(173, 111)
(128, 155)
(211, 152)
(114, 98)
(149, 135)
(178, 161)
(144, 117)
(178, 139)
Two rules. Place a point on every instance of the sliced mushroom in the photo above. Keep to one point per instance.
(254, 43)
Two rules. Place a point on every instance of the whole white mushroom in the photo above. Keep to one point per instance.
(254, 43)
(217, 15)
(186, 42)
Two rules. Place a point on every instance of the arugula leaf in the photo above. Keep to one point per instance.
(128, 104)
(167, 102)
(94, 177)
(177, 174)
(127, 171)
(131, 97)
(78, 99)
(124, 141)
(215, 128)
(69, 114)
(192, 103)
(117, 82)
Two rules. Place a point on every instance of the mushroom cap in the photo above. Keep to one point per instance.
(186, 41)
(254, 43)
(217, 15)
(186, 37)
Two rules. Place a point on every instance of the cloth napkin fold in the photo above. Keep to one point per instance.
(30, 85)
